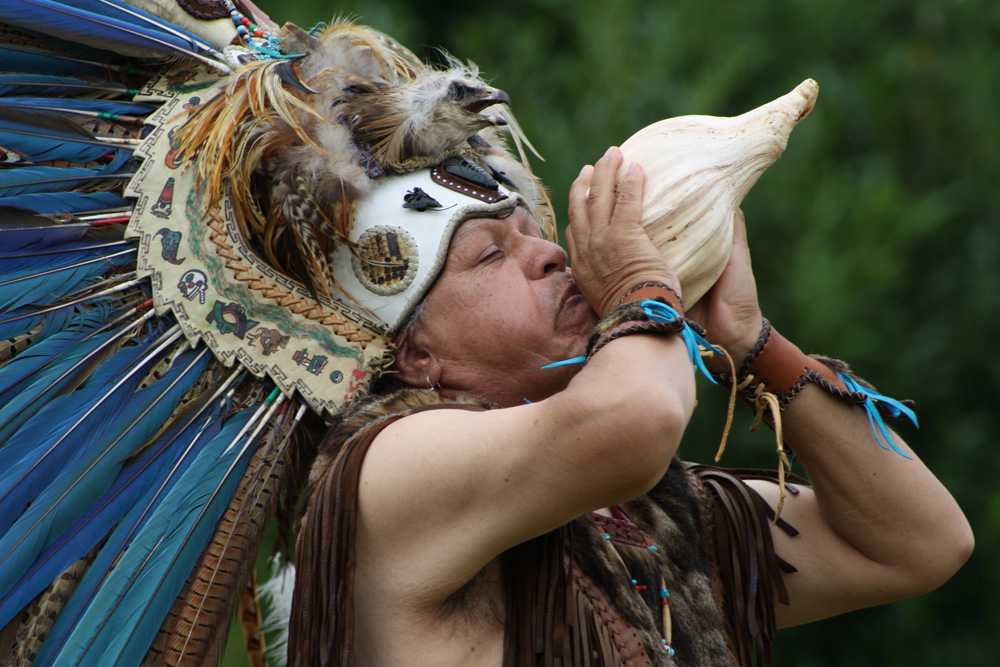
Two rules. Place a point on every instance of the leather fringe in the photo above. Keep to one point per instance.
(749, 570)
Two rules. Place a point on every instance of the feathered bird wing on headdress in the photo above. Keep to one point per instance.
(176, 179)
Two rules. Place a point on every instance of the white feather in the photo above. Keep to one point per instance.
(275, 598)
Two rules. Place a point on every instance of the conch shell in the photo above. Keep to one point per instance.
(698, 170)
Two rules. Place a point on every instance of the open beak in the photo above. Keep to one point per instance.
(495, 97)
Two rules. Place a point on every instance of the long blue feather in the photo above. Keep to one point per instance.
(95, 463)
(39, 450)
(49, 288)
(205, 429)
(50, 322)
(25, 180)
(38, 143)
(132, 483)
(36, 235)
(43, 383)
(17, 59)
(65, 202)
(106, 28)
(137, 583)
(110, 107)
(49, 352)
(50, 84)
(20, 269)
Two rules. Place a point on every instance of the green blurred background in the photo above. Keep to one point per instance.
(874, 237)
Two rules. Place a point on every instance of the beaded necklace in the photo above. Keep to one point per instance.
(255, 37)
(666, 642)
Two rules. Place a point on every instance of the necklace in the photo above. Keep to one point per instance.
(663, 593)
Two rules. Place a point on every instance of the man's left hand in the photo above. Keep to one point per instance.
(730, 312)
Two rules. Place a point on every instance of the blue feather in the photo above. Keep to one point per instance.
(194, 439)
(40, 448)
(47, 352)
(17, 406)
(73, 250)
(107, 26)
(50, 139)
(145, 473)
(17, 59)
(66, 202)
(50, 322)
(124, 614)
(109, 107)
(29, 288)
(95, 463)
(34, 236)
(24, 180)
(49, 84)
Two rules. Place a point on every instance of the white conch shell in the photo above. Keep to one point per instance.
(698, 170)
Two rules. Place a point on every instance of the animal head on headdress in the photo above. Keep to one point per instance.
(297, 144)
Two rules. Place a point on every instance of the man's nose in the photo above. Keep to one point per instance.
(548, 257)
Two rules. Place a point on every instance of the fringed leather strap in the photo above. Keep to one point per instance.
(557, 616)
(749, 570)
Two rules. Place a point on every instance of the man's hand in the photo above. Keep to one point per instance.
(730, 312)
(611, 251)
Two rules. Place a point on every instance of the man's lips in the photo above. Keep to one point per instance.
(571, 296)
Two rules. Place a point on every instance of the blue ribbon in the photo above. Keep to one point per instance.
(572, 361)
(881, 433)
(661, 312)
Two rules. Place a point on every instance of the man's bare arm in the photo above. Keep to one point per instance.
(444, 492)
(875, 527)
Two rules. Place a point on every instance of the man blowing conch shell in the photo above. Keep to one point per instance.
(492, 506)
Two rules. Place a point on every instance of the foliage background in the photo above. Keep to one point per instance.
(874, 237)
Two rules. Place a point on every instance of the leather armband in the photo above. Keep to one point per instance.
(784, 370)
(657, 291)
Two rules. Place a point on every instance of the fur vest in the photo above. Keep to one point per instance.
(588, 593)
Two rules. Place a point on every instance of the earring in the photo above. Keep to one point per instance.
(432, 385)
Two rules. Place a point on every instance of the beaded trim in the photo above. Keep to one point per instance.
(441, 177)
(632, 534)
(255, 38)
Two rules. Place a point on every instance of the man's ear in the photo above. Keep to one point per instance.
(415, 363)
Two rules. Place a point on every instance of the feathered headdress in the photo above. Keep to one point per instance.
(209, 227)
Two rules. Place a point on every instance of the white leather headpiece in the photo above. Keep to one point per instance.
(400, 237)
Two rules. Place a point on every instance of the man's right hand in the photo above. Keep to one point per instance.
(609, 248)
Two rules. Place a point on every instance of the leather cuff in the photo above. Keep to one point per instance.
(785, 370)
(656, 291)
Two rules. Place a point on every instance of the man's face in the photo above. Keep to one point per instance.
(504, 306)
